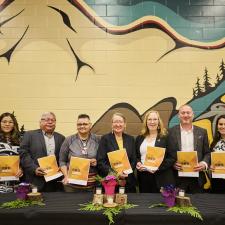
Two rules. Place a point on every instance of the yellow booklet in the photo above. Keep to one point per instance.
(188, 160)
(78, 170)
(49, 164)
(218, 162)
(119, 161)
(9, 167)
(154, 157)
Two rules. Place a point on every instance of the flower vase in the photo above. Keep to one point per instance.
(109, 187)
(22, 190)
(169, 200)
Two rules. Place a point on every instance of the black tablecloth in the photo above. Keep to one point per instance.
(62, 209)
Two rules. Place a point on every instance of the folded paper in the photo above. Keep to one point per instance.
(78, 171)
(50, 166)
(154, 157)
(9, 167)
(119, 161)
(218, 163)
(188, 160)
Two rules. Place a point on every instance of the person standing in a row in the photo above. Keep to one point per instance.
(153, 134)
(83, 144)
(188, 137)
(115, 140)
(9, 145)
(40, 143)
(218, 145)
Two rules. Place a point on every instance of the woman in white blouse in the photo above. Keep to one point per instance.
(153, 134)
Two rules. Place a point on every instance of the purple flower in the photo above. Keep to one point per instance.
(110, 177)
(22, 190)
(169, 193)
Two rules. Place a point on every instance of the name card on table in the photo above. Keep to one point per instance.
(188, 160)
(50, 166)
(154, 157)
(218, 163)
(9, 167)
(79, 170)
(119, 161)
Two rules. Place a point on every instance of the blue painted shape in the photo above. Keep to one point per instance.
(131, 13)
(201, 104)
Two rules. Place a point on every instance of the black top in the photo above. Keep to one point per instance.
(164, 175)
(107, 144)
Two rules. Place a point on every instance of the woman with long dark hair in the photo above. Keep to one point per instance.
(9, 144)
(218, 144)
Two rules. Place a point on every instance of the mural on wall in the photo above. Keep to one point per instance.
(101, 56)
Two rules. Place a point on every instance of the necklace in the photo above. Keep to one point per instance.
(84, 146)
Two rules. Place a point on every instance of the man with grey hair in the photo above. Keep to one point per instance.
(187, 137)
(40, 143)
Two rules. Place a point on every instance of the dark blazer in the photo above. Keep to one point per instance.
(33, 147)
(107, 144)
(201, 145)
(164, 175)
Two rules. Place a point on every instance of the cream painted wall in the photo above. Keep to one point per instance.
(41, 73)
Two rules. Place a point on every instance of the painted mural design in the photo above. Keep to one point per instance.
(102, 56)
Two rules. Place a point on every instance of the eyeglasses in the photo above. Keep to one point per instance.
(118, 122)
(82, 124)
(48, 120)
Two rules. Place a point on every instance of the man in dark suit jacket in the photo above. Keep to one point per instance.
(40, 143)
(187, 137)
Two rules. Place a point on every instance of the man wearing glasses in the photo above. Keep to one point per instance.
(37, 144)
(83, 144)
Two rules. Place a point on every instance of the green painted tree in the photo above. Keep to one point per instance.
(222, 69)
(198, 88)
(206, 84)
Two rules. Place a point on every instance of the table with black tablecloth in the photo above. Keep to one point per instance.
(62, 209)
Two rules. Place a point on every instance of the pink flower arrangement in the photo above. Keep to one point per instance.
(109, 184)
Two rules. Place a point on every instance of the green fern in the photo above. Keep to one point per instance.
(91, 207)
(110, 213)
(192, 211)
(20, 204)
(128, 206)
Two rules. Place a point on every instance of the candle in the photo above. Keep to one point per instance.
(34, 190)
(98, 191)
(110, 200)
(181, 193)
(121, 190)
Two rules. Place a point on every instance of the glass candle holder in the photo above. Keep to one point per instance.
(181, 193)
(98, 190)
(121, 190)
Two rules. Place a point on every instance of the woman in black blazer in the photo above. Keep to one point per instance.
(153, 134)
(116, 140)
(218, 145)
